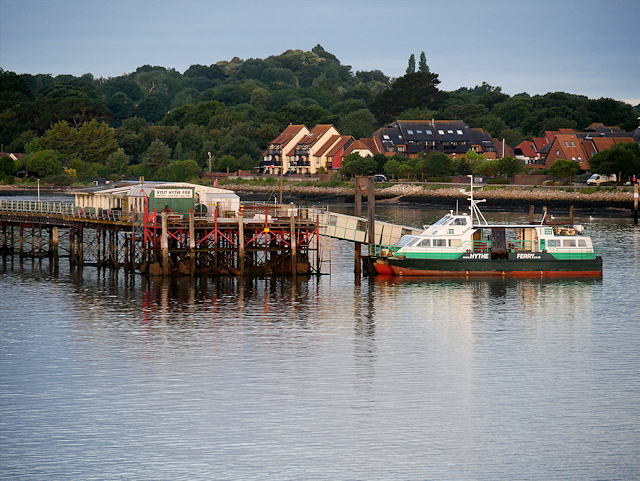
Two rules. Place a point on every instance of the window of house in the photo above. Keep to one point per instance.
(459, 132)
(573, 158)
(449, 131)
(573, 144)
(410, 132)
(401, 148)
(566, 144)
(386, 137)
(428, 132)
(557, 152)
(419, 131)
(580, 159)
(441, 132)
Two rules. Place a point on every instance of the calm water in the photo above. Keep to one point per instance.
(116, 377)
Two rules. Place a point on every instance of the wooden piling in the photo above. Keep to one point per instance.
(357, 266)
(241, 242)
(635, 203)
(164, 245)
(292, 227)
(531, 211)
(571, 215)
(192, 243)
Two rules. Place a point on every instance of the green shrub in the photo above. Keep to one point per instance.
(548, 182)
(570, 189)
(558, 182)
(589, 190)
(498, 181)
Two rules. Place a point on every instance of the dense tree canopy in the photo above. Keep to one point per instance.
(234, 108)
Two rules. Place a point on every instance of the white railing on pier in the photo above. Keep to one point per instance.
(64, 209)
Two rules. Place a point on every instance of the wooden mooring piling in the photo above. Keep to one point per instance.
(259, 240)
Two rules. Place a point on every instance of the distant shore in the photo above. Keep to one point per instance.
(509, 198)
(603, 202)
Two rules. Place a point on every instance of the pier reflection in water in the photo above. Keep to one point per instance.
(106, 376)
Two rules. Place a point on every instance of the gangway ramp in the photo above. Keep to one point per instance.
(354, 229)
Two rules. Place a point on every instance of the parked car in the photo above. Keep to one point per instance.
(597, 179)
(379, 178)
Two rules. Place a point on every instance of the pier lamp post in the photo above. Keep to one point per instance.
(209, 161)
(38, 191)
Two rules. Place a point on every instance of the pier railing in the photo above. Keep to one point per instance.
(64, 209)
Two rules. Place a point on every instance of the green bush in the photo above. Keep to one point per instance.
(589, 190)
(548, 182)
(498, 181)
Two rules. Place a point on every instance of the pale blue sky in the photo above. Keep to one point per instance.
(537, 46)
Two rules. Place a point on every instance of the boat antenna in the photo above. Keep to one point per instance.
(475, 211)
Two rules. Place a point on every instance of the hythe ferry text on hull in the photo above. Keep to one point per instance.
(466, 245)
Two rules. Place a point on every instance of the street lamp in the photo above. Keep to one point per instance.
(209, 161)
(38, 191)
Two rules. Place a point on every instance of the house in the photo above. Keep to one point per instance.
(302, 158)
(528, 153)
(358, 147)
(502, 149)
(580, 147)
(412, 137)
(337, 152)
(274, 160)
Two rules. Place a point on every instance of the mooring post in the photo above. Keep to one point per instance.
(55, 241)
(241, 241)
(72, 240)
(21, 242)
(635, 203)
(164, 244)
(371, 220)
(99, 249)
(571, 214)
(358, 213)
(4, 238)
(80, 238)
(294, 262)
(531, 210)
(192, 243)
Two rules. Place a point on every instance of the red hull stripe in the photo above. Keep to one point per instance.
(401, 271)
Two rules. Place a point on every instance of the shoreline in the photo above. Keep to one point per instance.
(499, 198)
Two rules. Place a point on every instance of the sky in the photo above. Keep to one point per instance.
(583, 47)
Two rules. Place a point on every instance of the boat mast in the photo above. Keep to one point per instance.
(474, 207)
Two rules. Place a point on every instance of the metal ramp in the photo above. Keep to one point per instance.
(354, 229)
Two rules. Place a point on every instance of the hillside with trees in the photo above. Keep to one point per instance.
(164, 124)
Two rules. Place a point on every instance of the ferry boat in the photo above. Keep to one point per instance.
(467, 245)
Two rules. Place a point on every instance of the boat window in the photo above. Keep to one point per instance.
(405, 240)
(552, 242)
(569, 243)
(442, 221)
(439, 242)
(454, 242)
(425, 243)
(462, 221)
(582, 243)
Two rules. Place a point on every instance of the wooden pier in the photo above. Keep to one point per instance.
(258, 240)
